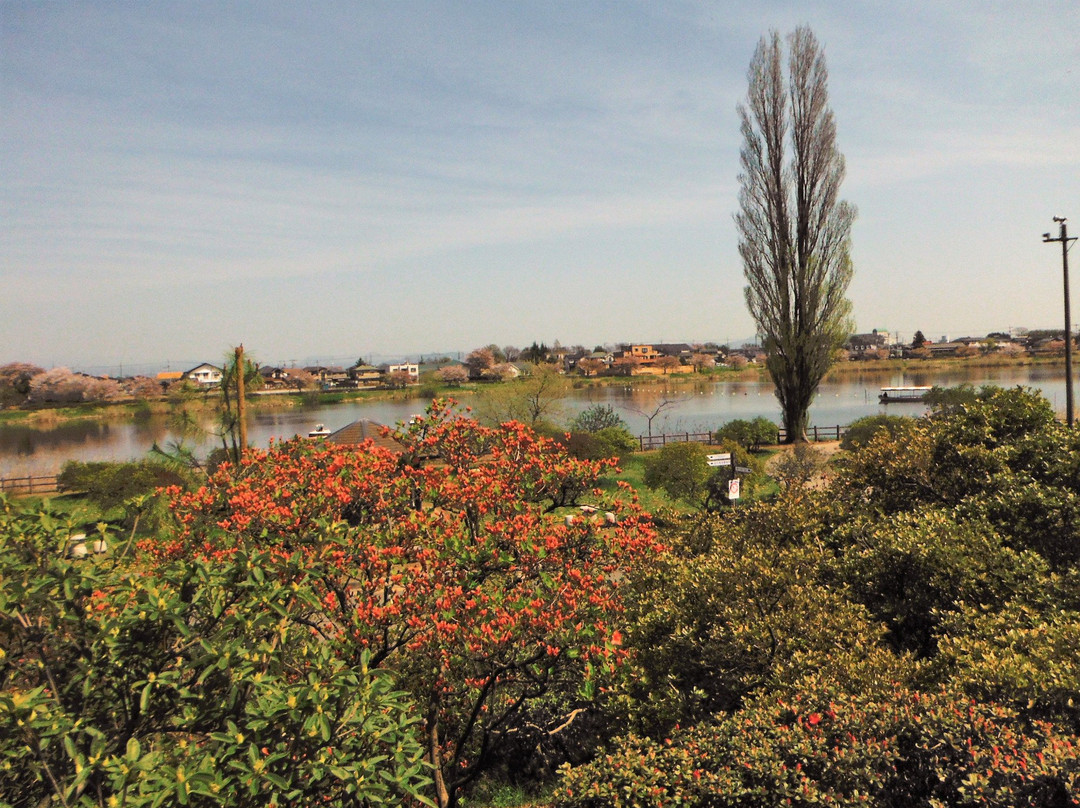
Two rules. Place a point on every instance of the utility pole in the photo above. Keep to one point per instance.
(1063, 237)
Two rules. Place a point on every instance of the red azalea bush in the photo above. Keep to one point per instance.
(444, 562)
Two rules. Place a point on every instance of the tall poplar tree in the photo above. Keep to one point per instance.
(794, 230)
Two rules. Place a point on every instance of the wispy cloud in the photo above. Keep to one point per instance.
(433, 151)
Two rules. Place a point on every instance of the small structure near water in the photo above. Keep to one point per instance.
(895, 395)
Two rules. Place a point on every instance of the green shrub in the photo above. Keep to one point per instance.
(751, 435)
(609, 442)
(891, 745)
(596, 418)
(946, 400)
(861, 430)
(911, 570)
(585, 446)
(682, 470)
(110, 485)
(187, 681)
(619, 439)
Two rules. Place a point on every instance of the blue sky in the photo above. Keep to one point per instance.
(325, 180)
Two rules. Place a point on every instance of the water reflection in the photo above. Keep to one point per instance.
(26, 440)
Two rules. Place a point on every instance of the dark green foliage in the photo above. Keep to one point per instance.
(861, 430)
(194, 682)
(619, 439)
(751, 435)
(597, 418)
(585, 446)
(945, 400)
(428, 391)
(109, 485)
(906, 637)
(912, 569)
(736, 606)
(534, 353)
(885, 745)
(609, 442)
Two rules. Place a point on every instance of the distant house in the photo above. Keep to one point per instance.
(365, 375)
(331, 376)
(169, 376)
(751, 353)
(273, 377)
(944, 348)
(678, 349)
(410, 368)
(204, 375)
(645, 354)
(861, 346)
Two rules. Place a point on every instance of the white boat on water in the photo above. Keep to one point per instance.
(320, 431)
(894, 395)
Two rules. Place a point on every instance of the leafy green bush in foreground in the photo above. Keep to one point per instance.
(190, 683)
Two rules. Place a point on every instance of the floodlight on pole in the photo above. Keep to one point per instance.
(1063, 237)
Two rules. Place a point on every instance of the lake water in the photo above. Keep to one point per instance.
(699, 407)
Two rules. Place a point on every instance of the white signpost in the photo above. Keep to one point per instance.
(722, 459)
(733, 489)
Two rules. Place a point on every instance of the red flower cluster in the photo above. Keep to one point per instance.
(445, 560)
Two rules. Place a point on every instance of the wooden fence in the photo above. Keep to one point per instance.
(815, 433)
(657, 441)
(45, 484)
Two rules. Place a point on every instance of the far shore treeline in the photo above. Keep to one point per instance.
(26, 387)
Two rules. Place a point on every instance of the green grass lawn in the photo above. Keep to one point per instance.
(651, 499)
(656, 499)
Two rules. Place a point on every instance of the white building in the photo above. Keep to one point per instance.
(410, 368)
(204, 375)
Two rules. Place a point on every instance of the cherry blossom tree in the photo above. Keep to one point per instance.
(480, 361)
(15, 382)
(452, 374)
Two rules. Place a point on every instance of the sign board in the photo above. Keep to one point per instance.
(718, 462)
(743, 470)
(733, 489)
(722, 459)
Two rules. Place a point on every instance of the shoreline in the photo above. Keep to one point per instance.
(48, 415)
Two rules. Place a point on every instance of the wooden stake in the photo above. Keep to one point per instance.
(241, 403)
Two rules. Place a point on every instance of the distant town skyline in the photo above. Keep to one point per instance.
(177, 178)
